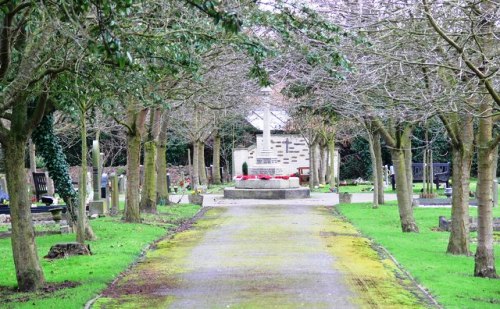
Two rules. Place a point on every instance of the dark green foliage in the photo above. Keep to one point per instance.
(295, 27)
(48, 147)
(297, 90)
(244, 168)
(235, 131)
(2, 160)
(355, 159)
(228, 20)
(177, 146)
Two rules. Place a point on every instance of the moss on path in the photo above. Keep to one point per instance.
(258, 256)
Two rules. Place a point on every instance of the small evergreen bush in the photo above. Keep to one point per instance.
(244, 168)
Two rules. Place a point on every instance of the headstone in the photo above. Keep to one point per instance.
(345, 198)
(386, 175)
(3, 184)
(104, 185)
(122, 184)
(445, 224)
(97, 206)
(65, 229)
(96, 179)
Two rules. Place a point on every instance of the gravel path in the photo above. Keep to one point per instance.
(263, 256)
(251, 254)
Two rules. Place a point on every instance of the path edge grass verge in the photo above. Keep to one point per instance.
(423, 291)
(447, 278)
(151, 246)
(398, 277)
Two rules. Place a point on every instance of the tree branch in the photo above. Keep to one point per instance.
(38, 112)
(389, 139)
(451, 133)
(494, 142)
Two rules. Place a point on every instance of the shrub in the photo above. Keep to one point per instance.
(244, 168)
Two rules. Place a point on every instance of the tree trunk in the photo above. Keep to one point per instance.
(161, 163)
(136, 120)
(195, 182)
(313, 163)
(402, 189)
(409, 171)
(162, 196)
(133, 177)
(148, 194)
(331, 176)
(494, 183)
(216, 166)
(484, 257)
(311, 166)
(314, 171)
(376, 188)
(29, 273)
(201, 164)
(462, 151)
(380, 167)
(80, 223)
(322, 165)
(459, 236)
(84, 230)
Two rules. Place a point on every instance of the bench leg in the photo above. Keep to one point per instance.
(436, 181)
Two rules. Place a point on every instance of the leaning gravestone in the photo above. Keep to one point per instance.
(59, 251)
(345, 198)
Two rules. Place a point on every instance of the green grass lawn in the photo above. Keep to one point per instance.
(118, 245)
(449, 278)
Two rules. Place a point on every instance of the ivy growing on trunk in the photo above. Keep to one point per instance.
(49, 148)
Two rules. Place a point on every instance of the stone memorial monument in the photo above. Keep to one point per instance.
(280, 186)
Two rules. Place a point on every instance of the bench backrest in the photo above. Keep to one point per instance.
(442, 171)
(40, 181)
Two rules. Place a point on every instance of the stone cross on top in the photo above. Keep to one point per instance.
(287, 142)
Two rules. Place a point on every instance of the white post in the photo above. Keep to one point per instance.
(267, 131)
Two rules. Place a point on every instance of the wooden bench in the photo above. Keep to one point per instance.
(40, 182)
(5, 209)
(303, 174)
(441, 171)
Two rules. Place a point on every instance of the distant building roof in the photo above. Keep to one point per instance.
(278, 120)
